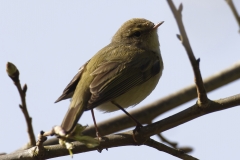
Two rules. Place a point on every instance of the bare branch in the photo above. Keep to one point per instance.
(190, 114)
(126, 138)
(202, 95)
(234, 10)
(163, 139)
(185, 149)
(174, 144)
(13, 73)
(161, 147)
(110, 141)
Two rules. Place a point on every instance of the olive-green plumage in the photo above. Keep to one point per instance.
(124, 72)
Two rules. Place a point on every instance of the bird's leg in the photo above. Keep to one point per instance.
(95, 124)
(138, 124)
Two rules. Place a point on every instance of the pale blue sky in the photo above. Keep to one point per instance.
(49, 40)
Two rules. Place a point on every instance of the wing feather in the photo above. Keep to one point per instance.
(70, 88)
(118, 77)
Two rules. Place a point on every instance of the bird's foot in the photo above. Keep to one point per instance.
(137, 129)
(98, 136)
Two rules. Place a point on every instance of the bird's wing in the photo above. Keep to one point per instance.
(70, 88)
(114, 78)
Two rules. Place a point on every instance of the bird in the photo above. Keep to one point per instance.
(120, 75)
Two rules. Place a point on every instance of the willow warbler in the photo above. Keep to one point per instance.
(120, 75)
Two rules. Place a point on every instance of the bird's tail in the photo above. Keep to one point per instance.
(73, 114)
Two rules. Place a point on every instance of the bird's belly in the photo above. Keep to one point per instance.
(132, 97)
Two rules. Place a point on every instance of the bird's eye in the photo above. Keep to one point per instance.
(137, 34)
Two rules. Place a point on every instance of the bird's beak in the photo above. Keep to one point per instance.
(157, 25)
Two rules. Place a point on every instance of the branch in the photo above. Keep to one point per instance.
(13, 73)
(163, 139)
(174, 144)
(202, 96)
(190, 114)
(161, 147)
(110, 141)
(185, 116)
(234, 11)
(126, 138)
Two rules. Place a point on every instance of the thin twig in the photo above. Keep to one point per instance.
(185, 149)
(175, 152)
(202, 95)
(234, 11)
(174, 144)
(13, 73)
(163, 139)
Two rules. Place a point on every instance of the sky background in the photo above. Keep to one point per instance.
(49, 40)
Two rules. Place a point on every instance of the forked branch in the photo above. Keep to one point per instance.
(13, 73)
(202, 95)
